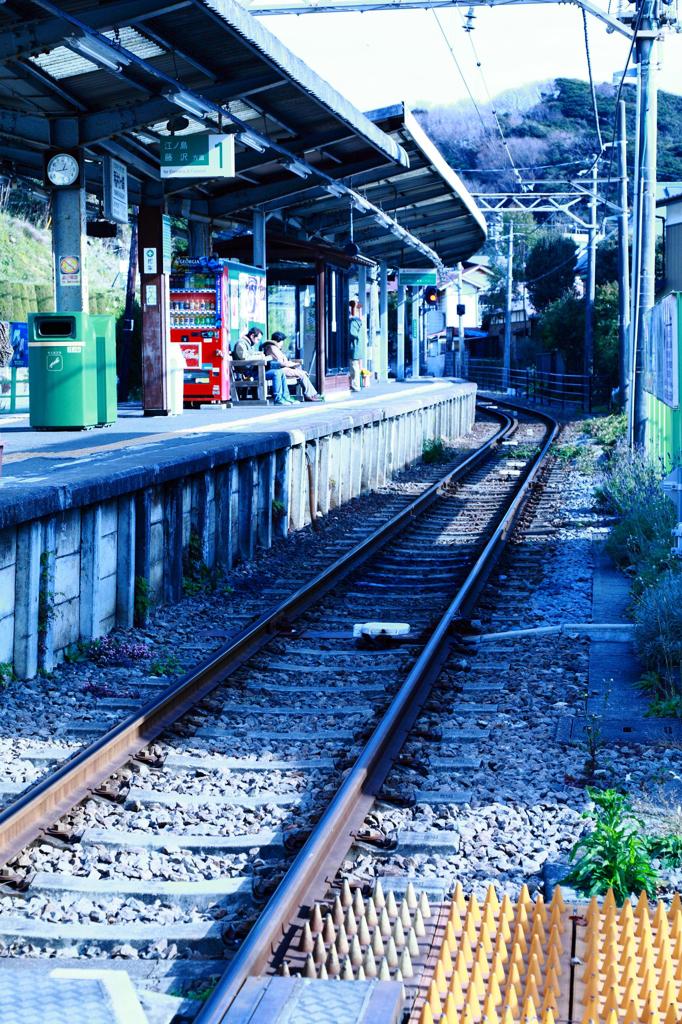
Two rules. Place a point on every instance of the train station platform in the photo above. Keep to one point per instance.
(95, 523)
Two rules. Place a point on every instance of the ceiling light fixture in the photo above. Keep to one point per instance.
(252, 141)
(299, 169)
(194, 105)
(96, 50)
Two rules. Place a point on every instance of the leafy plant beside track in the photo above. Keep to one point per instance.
(617, 853)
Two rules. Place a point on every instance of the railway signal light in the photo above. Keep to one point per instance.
(430, 295)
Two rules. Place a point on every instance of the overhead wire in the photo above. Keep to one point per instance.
(459, 69)
(593, 91)
(493, 109)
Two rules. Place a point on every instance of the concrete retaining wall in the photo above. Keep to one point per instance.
(76, 562)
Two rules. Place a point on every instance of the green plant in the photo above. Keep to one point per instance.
(433, 450)
(667, 849)
(143, 600)
(593, 735)
(665, 707)
(278, 508)
(607, 430)
(658, 633)
(164, 665)
(615, 853)
(521, 451)
(6, 673)
(567, 452)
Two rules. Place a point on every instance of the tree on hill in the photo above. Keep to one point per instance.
(550, 270)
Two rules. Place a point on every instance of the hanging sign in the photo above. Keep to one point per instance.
(197, 156)
(115, 190)
(418, 278)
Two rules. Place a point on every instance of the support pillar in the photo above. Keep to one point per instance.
(199, 240)
(68, 231)
(362, 296)
(259, 246)
(155, 304)
(400, 335)
(418, 330)
(383, 321)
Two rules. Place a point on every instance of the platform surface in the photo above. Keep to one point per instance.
(95, 997)
(38, 463)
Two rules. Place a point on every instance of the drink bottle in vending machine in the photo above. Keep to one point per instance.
(200, 325)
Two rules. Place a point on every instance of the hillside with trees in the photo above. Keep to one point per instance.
(550, 131)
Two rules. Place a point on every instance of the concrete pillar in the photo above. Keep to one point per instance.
(46, 597)
(155, 303)
(27, 577)
(282, 486)
(266, 494)
(199, 238)
(400, 335)
(206, 517)
(259, 244)
(298, 486)
(68, 229)
(143, 531)
(233, 516)
(90, 606)
(125, 562)
(222, 518)
(323, 475)
(383, 322)
(172, 542)
(248, 507)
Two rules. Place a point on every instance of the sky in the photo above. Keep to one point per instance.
(379, 58)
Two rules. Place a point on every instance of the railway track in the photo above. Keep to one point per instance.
(190, 812)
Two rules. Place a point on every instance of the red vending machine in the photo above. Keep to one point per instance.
(200, 324)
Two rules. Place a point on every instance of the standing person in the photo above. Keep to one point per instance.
(358, 341)
(273, 348)
(247, 349)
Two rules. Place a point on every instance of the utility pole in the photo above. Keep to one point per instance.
(623, 263)
(591, 279)
(644, 244)
(508, 308)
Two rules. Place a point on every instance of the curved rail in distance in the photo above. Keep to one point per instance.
(317, 863)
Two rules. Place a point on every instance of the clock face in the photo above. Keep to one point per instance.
(62, 169)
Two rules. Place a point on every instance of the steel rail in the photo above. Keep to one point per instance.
(315, 866)
(37, 808)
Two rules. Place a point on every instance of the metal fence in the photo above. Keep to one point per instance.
(539, 386)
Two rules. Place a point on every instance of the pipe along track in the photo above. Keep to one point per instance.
(38, 808)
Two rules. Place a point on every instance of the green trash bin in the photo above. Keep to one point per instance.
(72, 370)
(104, 331)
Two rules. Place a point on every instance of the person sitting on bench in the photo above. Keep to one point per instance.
(292, 371)
(247, 349)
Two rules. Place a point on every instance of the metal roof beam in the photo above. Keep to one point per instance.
(279, 195)
(258, 7)
(30, 128)
(37, 36)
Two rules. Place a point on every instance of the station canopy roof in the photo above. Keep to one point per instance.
(108, 77)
